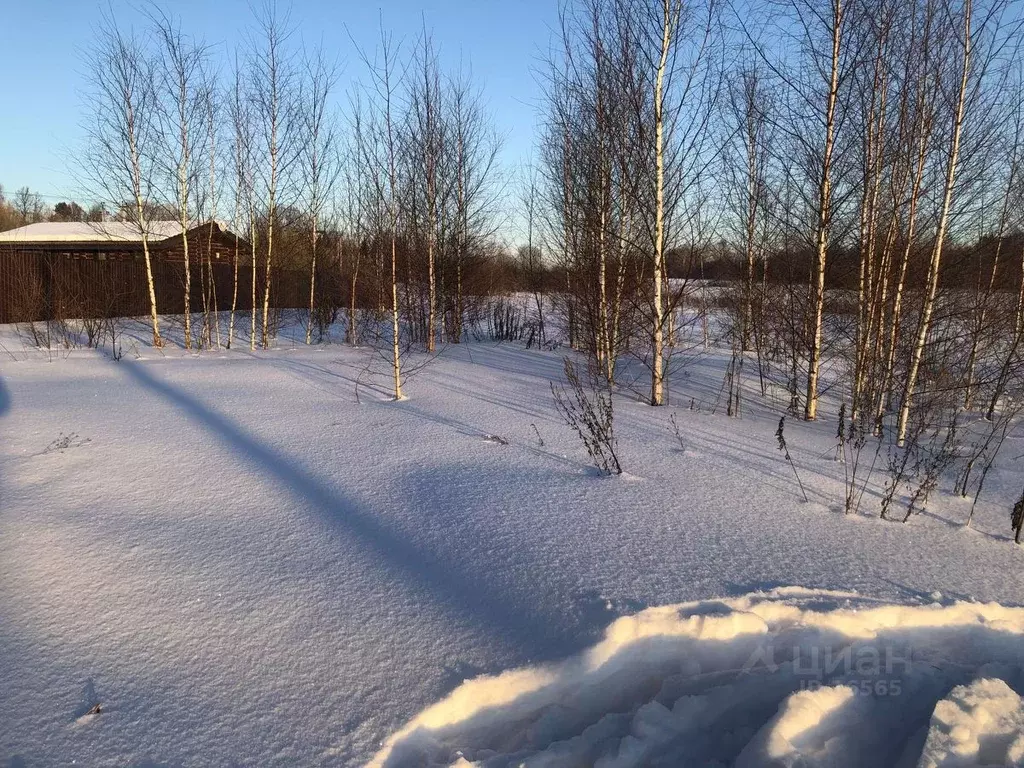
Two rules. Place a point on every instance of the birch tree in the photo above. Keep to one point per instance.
(471, 148)
(380, 150)
(670, 15)
(530, 256)
(360, 200)
(918, 114)
(244, 219)
(680, 58)
(428, 140)
(120, 160)
(961, 26)
(208, 212)
(319, 158)
(834, 25)
(273, 96)
(749, 122)
(627, 152)
(1006, 159)
(183, 90)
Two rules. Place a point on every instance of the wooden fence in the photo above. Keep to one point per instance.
(41, 285)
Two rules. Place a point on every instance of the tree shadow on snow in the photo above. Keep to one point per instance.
(481, 514)
(471, 430)
(510, 358)
(5, 407)
(452, 585)
(5, 398)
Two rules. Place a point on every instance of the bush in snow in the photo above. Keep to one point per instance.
(929, 449)
(588, 410)
(851, 440)
(676, 431)
(540, 440)
(780, 435)
(506, 321)
(983, 451)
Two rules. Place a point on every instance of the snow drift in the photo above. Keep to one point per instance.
(978, 724)
(781, 678)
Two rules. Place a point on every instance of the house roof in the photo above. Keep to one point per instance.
(92, 232)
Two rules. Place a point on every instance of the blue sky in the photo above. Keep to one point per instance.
(44, 43)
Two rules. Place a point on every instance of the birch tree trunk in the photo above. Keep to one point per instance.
(234, 294)
(873, 159)
(119, 159)
(821, 235)
(271, 216)
(319, 163)
(252, 284)
(384, 80)
(427, 105)
(184, 86)
(275, 107)
(1018, 336)
(931, 289)
(212, 315)
(314, 237)
(670, 12)
(985, 299)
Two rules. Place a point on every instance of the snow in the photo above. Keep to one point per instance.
(246, 559)
(796, 735)
(853, 681)
(977, 724)
(84, 231)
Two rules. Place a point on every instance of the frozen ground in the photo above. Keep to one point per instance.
(243, 564)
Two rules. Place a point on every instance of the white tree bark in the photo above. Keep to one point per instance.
(924, 323)
(670, 13)
(824, 212)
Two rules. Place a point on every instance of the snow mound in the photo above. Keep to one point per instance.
(977, 724)
(789, 677)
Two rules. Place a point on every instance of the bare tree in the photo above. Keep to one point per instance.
(670, 11)
(29, 205)
(240, 110)
(241, 157)
(747, 156)
(380, 148)
(319, 158)
(119, 163)
(360, 203)
(273, 96)
(208, 212)
(917, 118)
(531, 260)
(964, 96)
(1006, 159)
(471, 149)
(183, 87)
(427, 144)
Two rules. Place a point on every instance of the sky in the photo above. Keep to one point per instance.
(44, 46)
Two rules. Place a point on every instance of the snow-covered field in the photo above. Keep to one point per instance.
(245, 563)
